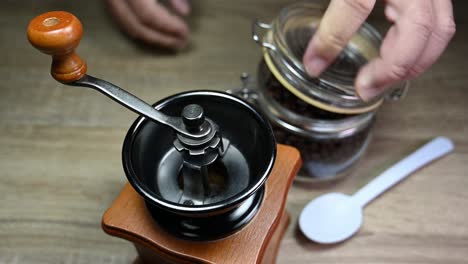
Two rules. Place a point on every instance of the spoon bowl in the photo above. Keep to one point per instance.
(330, 218)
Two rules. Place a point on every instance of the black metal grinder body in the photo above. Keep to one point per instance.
(199, 159)
(209, 201)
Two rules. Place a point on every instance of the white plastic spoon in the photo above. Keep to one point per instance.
(334, 217)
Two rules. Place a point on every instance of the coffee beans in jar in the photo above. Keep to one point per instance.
(322, 117)
(329, 143)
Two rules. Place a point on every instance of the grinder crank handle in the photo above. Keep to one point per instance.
(58, 33)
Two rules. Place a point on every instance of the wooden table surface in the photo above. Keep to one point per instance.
(60, 146)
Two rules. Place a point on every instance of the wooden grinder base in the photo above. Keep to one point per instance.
(257, 242)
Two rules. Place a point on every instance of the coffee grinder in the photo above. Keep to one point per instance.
(207, 182)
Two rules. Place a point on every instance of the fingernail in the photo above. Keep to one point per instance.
(183, 6)
(366, 89)
(316, 66)
(391, 13)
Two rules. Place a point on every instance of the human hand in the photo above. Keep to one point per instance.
(151, 22)
(420, 33)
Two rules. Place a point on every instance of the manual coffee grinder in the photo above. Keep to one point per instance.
(197, 165)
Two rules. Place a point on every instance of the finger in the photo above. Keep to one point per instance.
(182, 7)
(340, 22)
(155, 15)
(444, 29)
(130, 24)
(401, 49)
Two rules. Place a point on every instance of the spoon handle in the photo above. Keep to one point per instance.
(436, 148)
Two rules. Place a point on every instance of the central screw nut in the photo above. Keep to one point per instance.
(193, 117)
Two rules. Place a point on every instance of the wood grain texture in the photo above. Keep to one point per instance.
(258, 240)
(60, 146)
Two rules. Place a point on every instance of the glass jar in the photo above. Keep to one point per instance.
(322, 117)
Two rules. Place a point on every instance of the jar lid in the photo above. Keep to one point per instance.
(285, 44)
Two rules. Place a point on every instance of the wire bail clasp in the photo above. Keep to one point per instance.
(257, 24)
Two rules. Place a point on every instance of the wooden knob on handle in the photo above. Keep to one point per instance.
(58, 33)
